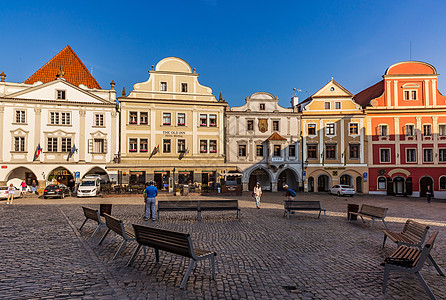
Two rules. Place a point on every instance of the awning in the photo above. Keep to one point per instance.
(230, 174)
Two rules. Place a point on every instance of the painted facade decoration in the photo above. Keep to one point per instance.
(333, 140)
(263, 143)
(171, 129)
(406, 131)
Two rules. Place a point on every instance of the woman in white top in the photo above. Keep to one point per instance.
(257, 194)
(11, 191)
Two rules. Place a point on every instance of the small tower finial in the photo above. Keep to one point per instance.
(194, 70)
(112, 84)
(123, 91)
(3, 76)
(153, 68)
(60, 73)
(221, 97)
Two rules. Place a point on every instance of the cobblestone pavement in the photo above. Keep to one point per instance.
(261, 256)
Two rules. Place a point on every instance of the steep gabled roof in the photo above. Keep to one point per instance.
(364, 97)
(74, 69)
(276, 137)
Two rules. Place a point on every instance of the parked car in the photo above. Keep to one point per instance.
(4, 192)
(342, 190)
(56, 190)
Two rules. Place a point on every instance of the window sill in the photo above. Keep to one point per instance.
(18, 123)
(19, 151)
(62, 125)
(97, 126)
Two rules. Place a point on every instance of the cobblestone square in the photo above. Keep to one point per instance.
(261, 256)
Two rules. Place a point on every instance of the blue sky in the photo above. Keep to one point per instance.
(237, 47)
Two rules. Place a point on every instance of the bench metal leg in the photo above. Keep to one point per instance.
(80, 228)
(386, 278)
(319, 214)
(103, 238)
(186, 276)
(385, 224)
(212, 259)
(120, 249)
(134, 255)
(425, 286)
(97, 229)
(325, 215)
(384, 242)
(434, 263)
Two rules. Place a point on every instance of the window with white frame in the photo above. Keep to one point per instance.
(276, 126)
(259, 150)
(167, 119)
(330, 129)
(250, 125)
(410, 95)
(383, 130)
(330, 151)
(443, 183)
(382, 183)
(411, 155)
(292, 150)
(212, 120)
(99, 119)
(442, 154)
(262, 106)
(203, 146)
(163, 86)
(66, 144)
(167, 146)
(19, 143)
(60, 118)
(353, 151)
(384, 155)
(427, 130)
(203, 120)
(213, 146)
(51, 145)
(181, 146)
(143, 118)
(442, 130)
(337, 105)
(184, 87)
(241, 150)
(181, 119)
(20, 116)
(311, 129)
(143, 145)
(312, 151)
(410, 130)
(277, 150)
(133, 117)
(133, 145)
(65, 118)
(98, 145)
(354, 128)
(428, 155)
(327, 105)
(61, 94)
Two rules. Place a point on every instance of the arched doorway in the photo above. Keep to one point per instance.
(346, 180)
(101, 172)
(398, 186)
(359, 184)
(61, 175)
(262, 177)
(311, 184)
(287, 177)
(389, 186)
(424, 182)
(409, 186)
(19, 174)
(323, 183)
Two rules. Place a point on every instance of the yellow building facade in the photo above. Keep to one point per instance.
(334, 146)
(172, 129)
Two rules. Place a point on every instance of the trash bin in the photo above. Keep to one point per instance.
(105, 208)
(352, 208)
(185, 190)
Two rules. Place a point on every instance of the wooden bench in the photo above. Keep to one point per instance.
(291, 205)
(173, 242)
(373, 212)
(118, 227)
(92, 214)
(198, 206)
(409, 260)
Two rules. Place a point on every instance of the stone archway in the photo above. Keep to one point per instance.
(262, 176)
(346, 179)
(424, 183)
(323, 183)
(99, 171)
(62, 175)
(19, 174)
(287, 177)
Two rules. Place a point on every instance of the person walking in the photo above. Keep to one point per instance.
(34, 186)
(150, 194)
(257, 194)
(11, 192)
(289, 193)
(23, 186)
(429, 194)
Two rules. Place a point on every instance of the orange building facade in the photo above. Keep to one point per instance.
(406, 131)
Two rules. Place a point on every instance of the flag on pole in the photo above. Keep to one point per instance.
(37, 152)
(182, 154)
(155, 151)
(73, 149)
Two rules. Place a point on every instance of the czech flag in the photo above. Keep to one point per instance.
(73, 149)
(37, 152)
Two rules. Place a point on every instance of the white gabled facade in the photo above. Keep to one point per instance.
(57, 115)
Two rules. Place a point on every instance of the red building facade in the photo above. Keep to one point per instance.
(406, 131)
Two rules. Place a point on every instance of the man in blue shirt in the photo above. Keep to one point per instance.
(149, 198)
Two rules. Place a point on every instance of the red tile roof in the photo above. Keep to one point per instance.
(75, 71)
(276, 137)
(364, 97)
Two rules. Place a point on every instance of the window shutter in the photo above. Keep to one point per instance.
(105, 145)
(90, 145)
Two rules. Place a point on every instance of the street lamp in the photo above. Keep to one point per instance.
(305, 163)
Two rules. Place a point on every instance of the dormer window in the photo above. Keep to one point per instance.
(337, 105)
(163, 86)
(410, 91)
(61, 95)
(327, 105)
(184, 87)
(262, 106)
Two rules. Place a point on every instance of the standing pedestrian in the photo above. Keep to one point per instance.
(23, 186)
(257, 194)
(11, 192)
(149, 198)
(429, 194)
(34, 187)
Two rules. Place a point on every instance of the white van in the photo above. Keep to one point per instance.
(90, 186)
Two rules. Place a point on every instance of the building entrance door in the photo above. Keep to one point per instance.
(424, 182)
(398, 186)
(323, 183)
